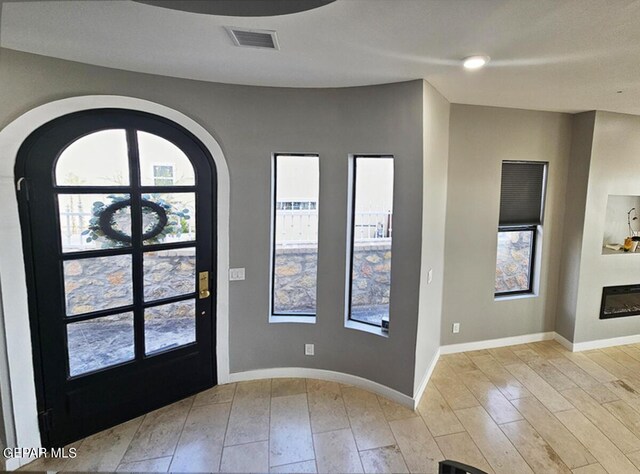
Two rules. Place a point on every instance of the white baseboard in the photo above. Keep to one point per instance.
(601, 343)
(541, 336)
(598, 343)
(566, 343)
(322, 374)
(493, 343)
(425, 380)
(412, 402)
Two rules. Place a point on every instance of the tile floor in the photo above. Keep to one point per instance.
(519, 409)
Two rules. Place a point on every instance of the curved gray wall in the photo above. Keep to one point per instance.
(251, 123)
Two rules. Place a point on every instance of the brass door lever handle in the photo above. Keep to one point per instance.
(203, 285)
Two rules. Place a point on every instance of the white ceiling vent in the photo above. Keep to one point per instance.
(249, 38)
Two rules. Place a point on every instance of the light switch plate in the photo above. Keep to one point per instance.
(430, 276)
(236, 274)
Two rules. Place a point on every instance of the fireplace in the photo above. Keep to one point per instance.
(620, 301)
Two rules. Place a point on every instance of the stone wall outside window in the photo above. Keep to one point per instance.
(295, 276)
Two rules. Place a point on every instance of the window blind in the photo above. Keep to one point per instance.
(521, 193)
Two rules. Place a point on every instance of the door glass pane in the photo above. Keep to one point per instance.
(162, 163)
(94, 221)
(169, 326)
(94, 284)
(168, 217)
(100, 343)
(98, 159)
(169, 273)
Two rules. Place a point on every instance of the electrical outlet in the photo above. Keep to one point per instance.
(430, 276)
(309, 349)
(236, 274)
(456, 328)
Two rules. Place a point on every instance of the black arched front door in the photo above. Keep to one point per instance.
(117, 212)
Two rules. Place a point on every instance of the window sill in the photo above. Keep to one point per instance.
(515, 297)
(350, 324)
(292, 319)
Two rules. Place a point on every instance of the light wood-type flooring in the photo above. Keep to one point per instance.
(520, 409)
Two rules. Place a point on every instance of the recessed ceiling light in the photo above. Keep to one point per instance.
(475, 62)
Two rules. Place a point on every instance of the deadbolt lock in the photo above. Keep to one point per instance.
(203, 285)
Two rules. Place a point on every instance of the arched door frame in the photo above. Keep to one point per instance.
(19, 393)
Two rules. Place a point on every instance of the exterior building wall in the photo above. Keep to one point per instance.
(296, 269)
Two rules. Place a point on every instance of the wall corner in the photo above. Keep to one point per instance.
(435, 123)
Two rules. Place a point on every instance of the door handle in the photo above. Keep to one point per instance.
(203, 285)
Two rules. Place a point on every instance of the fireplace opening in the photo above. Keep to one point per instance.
(620, 301)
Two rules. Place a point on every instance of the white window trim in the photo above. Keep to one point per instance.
(284, 318)
(348, 322)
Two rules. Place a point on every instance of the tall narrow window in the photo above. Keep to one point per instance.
(296, 182)
(521, 209)
(371, 231)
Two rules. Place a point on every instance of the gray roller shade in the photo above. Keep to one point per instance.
(521, 193)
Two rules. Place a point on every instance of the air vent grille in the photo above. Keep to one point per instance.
(254, 38)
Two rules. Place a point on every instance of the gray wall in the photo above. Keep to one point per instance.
(480, 139)
(251, 123)
(614, 169)
(448, 163)
(575, 202)
(436, 115)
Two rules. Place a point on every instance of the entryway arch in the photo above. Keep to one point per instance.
(19, 401)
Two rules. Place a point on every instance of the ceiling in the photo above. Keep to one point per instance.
(242, 8)
(560, 55)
